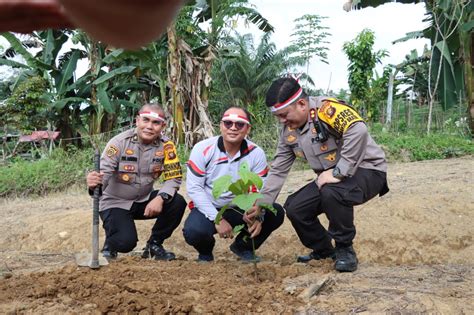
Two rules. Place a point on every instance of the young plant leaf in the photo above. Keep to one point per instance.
(237, 229)
(256, 180)
(246, 202)
(221, 185)
(219, 215)
(244, 172)
(268, 207)
(238, 188)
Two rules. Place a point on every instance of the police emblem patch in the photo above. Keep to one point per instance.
(159, 153)
(330, 157)
(330, 111)
(291, 138)
(111, 151)
(129, 151)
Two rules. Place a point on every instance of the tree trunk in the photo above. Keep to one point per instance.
(174, 74)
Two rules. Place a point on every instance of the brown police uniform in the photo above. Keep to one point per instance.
(130, 169)
(348, 147)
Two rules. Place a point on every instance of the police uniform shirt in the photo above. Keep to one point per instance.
(131, 168)
(349, 145)
(209, 161)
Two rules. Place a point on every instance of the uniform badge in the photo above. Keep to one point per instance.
(125, 177)
(129, 168)
(129, 151)
(111, 151)
(330, 157)
(135, 138)
(291, 138)
(159, 153)
(313, 131)
(290, 129)
(330, 111)
(323, 147)
(171, 155)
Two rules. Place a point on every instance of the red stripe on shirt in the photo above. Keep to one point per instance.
(264, 172)
(195, 168)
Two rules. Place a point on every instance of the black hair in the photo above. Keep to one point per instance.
(247, 113)
(153, 106)
(281, 90)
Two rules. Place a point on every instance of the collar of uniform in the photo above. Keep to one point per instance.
(156, 142)
(220, 145)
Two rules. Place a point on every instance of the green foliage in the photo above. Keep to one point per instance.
(244, 199)
(61, 170)
(417, 147)
(362, 61)
(309, 38)
(26, 109)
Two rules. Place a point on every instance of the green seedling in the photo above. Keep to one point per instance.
(244, 198)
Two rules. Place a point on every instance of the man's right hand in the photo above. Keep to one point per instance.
(93, 179)
(251, 215)
(224, 229)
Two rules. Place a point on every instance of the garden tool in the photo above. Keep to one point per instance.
(93, 260)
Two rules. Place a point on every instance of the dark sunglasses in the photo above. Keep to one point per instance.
(238, 124)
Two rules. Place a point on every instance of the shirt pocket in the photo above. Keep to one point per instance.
(127, 173)
(327, 153)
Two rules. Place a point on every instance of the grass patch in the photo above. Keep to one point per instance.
(63, 169)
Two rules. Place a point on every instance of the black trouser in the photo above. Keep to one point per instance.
(121, 232)
(199, 231)
(337, 201)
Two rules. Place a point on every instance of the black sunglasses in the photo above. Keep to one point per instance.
(238, 124)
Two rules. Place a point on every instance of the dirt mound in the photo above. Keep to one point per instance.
(414, 246)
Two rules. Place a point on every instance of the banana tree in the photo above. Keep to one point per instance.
(451, 32)
(56, 69)
(196, 58)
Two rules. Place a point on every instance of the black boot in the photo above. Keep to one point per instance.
(346, 259)
(108, 253)
(328, 253)
(154, 249)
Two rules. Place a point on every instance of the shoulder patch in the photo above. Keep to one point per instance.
(111, 151)
(338, 116)
(172, 168)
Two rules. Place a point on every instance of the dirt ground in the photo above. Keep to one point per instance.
(414, 246)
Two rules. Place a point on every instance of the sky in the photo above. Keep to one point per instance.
(389, 22)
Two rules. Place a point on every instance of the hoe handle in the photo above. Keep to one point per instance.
(95, 216)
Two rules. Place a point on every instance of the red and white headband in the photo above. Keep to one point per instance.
(235, 118)
(152, 115)
(284, 104)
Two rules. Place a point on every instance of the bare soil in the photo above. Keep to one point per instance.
(415, 247)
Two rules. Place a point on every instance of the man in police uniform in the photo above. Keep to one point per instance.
(351, 168)
(211, 159)
(130, 164)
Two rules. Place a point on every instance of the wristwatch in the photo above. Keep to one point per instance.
(336, 173)
(164, 196)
